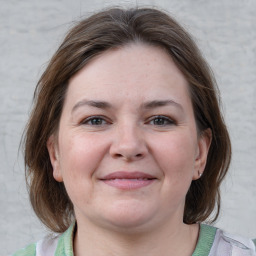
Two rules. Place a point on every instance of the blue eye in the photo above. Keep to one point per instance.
(161, 121)
(95, 121)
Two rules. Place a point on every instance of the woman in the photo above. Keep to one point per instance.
(126, 147)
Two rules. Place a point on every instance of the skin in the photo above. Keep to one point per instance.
(142, 121)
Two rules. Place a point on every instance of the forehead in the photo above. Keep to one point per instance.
(140, 69)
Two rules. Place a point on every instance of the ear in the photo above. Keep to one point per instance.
(54, 157)
(204, 142)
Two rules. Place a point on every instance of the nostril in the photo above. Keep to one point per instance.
(118, 155)
(128, 157)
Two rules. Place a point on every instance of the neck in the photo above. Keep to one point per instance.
(179, 240)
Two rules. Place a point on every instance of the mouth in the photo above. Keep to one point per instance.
(128, 180)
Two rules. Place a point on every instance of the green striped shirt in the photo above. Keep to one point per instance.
(65, 243)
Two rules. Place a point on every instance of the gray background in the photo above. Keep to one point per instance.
(30, 32)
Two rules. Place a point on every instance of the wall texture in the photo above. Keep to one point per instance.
(30, 32)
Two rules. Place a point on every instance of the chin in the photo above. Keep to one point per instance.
(129, 218)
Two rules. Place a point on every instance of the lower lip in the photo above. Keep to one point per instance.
(128, 184)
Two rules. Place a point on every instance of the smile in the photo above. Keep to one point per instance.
(128, 180)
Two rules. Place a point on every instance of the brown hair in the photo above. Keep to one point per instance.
(90, 37)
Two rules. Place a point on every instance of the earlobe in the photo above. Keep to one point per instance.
(54, 158)
(204, 143)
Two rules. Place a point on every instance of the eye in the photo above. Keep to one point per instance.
(95, 121)
(161, 121)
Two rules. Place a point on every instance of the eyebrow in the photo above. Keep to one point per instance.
(161, 103)
(92, 103)
(106, 105)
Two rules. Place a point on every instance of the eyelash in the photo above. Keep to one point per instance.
(101, 121)
(165, 121)
(94, 118)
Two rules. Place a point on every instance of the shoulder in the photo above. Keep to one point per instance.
(226, 243)
(46, 246)
(30, 250)
(51, 245)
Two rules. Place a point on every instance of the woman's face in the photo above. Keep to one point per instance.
(127, 147)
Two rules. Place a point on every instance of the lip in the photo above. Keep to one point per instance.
(128, 175)
(128, 180)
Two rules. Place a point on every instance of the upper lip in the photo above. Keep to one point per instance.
(127, 175)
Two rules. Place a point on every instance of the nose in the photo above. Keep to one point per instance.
(128, 143)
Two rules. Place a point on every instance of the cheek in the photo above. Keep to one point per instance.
(176, 156)
(79, 158)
